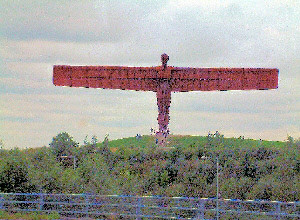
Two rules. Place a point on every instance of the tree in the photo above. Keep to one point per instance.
(290, 142)
(235, 188)
(89, 147)
(14, 173)
(215, 140)
(96, 176)
(1, 144)
(45, 172)
(105, 142)
(62, 144)
(85, 141)
(94, 140)
(71, 181)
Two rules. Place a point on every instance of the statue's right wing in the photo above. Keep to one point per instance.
(106, 77)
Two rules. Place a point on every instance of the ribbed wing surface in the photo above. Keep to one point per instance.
(106, 77)
(207, 79)
(180, 79)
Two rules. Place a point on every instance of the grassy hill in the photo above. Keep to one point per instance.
(187, 140)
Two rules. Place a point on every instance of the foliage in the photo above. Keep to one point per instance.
(214, 140)
(105, 142)
(45, 171)
(14, 173)
(29, 216)
(90, 147)
(1, 144)
(241, 187)
(71, 181)
(248, 169)
(94, 140)
(63, 145)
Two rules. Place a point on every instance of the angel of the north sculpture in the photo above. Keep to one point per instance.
(163, 80)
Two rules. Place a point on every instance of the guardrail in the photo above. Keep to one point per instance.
(147, 207)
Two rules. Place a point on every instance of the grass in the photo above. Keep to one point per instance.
(185, 141)
(31, 215)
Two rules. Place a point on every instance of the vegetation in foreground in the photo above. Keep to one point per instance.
(29, 216)
(248, 169)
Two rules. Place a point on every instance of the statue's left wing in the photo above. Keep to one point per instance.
(208, 79)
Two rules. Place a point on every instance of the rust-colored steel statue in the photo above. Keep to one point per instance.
(163, 80)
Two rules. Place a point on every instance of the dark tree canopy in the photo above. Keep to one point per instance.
(14, 173)
(63, 144)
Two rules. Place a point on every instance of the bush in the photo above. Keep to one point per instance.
(236, 188)
(14, 173)
(29, 216)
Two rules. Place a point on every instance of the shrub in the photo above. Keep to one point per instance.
(14, 173)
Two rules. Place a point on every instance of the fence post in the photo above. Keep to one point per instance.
(178, 205)
(201, 209)
(239, 205)
(41, 204)
(86, 205)
(278, 211)
(1, 202)
(138, 208)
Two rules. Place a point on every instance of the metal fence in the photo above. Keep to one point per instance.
(147, 207)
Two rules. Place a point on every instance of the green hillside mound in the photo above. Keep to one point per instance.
(187, 140)
(248, 169)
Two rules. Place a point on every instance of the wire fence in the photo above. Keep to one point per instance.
(147, 207)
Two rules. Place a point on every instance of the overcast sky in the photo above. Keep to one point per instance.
(35, 35)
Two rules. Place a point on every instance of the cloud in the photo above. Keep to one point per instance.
(45, 115)
(80, 21)
(266, 101)
(233, 125)
(35, 35)
(194, 33)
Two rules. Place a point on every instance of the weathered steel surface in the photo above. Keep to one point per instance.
(180, 79)
(163, 96)
(165, 79)
(106, 77)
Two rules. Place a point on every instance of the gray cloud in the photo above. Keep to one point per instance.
(38, 34)
(79, 21)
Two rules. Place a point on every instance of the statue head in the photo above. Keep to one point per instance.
(164, 59)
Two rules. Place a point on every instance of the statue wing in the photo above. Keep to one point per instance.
(106, 77)
(180, 79)
(208, 79)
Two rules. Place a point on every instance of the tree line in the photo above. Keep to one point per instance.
(248, 169)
